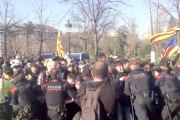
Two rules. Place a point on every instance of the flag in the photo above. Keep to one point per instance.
(162, 36)
(60, 50)
(170, 48)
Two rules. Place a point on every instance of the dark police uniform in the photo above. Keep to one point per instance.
(55, 98)
(139, 85)
(23, 99)
(169, 87)
(4, 101)
(178, 76)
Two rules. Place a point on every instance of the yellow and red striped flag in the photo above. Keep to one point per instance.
(166, 34)
(59, 46)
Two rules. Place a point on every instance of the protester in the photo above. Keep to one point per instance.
(82, 66)
(123, 100)
(78, 82)
(111, 70)
(126, 66)
(33, 75)
(102, 57)
(138, 60)
(98, 89)
(63, 69)
(86, 75)
(27, 67)
(45, 74)
(72, 108)
(58, 88)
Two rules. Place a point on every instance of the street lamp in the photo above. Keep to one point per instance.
(68, 31)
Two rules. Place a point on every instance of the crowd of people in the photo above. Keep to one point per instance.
(109, 89)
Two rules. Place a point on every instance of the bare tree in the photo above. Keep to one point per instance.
(8, 19)
(171, 9)
(100, 13)
(15, 43)
(43, 21)
(82, 23)
(28, 30)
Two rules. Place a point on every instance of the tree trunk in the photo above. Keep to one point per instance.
(84, 46)
(96, 46)
(27, 44)
(5, 42)
(40, 48)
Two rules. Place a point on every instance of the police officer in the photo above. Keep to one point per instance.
(169, 87)
(138, 84)
(55, 96)
(23, 99)
(5, 87)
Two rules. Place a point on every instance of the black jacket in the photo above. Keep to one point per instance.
(65, 74)
(22, 93)
(137, 82)
(107, 95)
(119, 85)
(167, 83)
(55, 93)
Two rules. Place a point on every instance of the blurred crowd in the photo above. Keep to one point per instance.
(59, 88)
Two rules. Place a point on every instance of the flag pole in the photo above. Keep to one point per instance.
(152, 47)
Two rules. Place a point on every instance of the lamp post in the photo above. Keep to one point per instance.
(68, 31)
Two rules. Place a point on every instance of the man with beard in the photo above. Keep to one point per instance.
(33, 76)
(63, 69)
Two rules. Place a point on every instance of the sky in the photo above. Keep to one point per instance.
(137, 9)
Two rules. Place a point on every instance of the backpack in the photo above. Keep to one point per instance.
(91, 104)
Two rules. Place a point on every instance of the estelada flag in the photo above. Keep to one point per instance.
(59, 46)
(166, 34)
(170, 48)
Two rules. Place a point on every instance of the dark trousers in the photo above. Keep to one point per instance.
(144, 108)
(4, 115)
(55, 115)
(173, 107)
